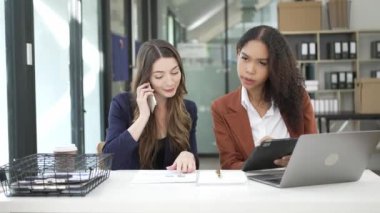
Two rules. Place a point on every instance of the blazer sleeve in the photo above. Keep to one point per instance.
(230, 158)
(192, 109)
(310, 125)
(118, 140)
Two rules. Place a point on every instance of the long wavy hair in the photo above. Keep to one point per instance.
(179, 121)
(285, 84)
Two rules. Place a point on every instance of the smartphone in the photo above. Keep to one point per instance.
(152, 102)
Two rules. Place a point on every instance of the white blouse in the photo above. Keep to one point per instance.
(271, 124)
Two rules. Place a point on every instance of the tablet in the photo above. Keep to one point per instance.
(263, 156)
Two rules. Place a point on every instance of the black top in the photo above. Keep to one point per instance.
(158, 163)
(125, 149)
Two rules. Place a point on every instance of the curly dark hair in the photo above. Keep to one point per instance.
(285, 84)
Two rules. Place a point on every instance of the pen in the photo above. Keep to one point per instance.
(218, 173)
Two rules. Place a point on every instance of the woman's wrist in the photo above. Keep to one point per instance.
(138, 126)
(143, 119)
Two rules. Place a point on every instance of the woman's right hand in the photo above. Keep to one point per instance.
(142, 93)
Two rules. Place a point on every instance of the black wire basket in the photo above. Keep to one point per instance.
(55, 174)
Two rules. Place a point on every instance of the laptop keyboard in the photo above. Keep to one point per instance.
(273, 177)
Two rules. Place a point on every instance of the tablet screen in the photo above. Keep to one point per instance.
(263, 156)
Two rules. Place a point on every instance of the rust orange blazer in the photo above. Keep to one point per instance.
(233, 132)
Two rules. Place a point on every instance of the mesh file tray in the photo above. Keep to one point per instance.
(55, 175)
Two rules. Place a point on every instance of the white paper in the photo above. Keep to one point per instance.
(353, 47)
(344, 46)
(338, 47)
(312, 48)
(226, 177)
(304, 49)
(163, 176)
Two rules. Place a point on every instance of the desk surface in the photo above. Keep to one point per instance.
(117, 194)
(344, 115)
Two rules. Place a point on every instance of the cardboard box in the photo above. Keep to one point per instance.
(338, 13)
(366, 99)
(299, 16)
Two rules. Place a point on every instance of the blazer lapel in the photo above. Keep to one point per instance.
(238, 121)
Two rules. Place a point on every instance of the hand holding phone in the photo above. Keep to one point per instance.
(152, 102)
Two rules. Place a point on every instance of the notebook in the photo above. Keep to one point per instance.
(323, 159)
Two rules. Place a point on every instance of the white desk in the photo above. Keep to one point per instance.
(117, 194)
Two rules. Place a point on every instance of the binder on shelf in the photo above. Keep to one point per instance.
(334, 80)
(304, 51)
(337, 50)
(375, 74)
(350, 80)
(331, 80)
(342, 80)
(375, 49)
(327, 80)
(352, 49)
(312, 51)
(309, 72)
(334, 50)
(330, 50)
(345, 50)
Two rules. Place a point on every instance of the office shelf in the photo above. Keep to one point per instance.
(361, 65)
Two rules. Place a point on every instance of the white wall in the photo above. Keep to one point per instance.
(4, 155)
(365, 14)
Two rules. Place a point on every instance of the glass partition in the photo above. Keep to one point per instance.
(209, 60)
(91, 67)
(4, 153)
(53, 105)
(53, 101)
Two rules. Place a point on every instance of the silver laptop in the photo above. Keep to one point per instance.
(374, 161)
(322, 159)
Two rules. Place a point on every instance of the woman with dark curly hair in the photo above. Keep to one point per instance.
(142, 136)
(271, 102)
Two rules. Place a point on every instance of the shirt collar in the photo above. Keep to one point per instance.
(244, 98)
(245, 102)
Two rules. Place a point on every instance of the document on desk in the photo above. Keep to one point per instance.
(210, 177)
(164, 176)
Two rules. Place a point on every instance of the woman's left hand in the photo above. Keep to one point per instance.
(185, 163)
(282, 161)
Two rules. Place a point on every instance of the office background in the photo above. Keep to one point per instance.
(60, 93)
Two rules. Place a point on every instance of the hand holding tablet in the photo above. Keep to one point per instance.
(263, 156)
